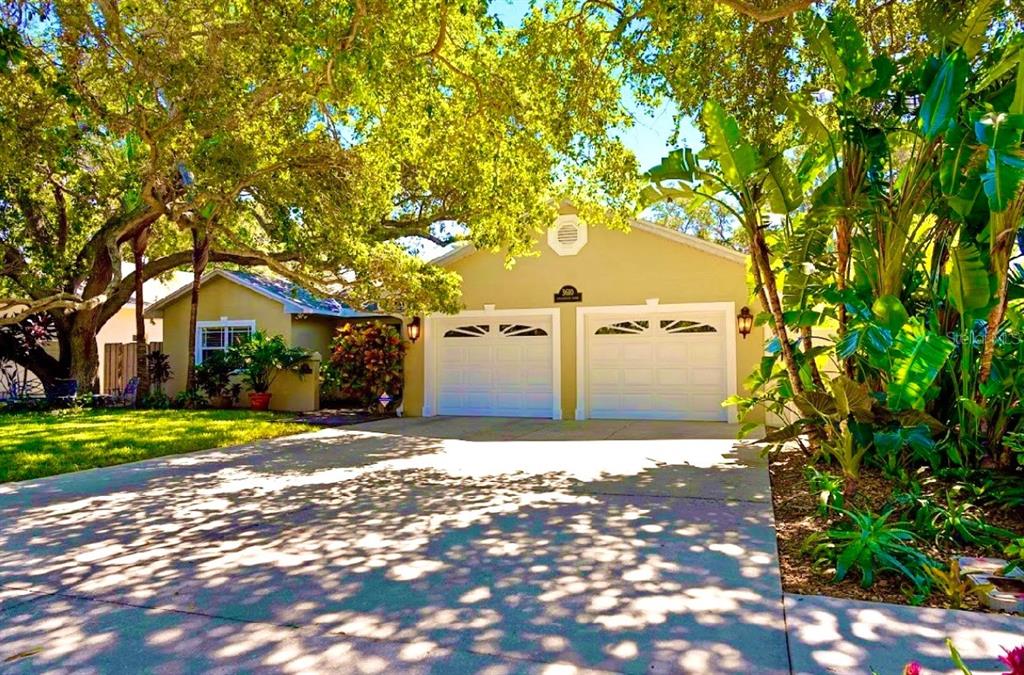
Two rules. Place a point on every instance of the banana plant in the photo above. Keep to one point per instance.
(747, 182)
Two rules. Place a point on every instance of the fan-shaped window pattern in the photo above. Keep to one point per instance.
(472, 331)
(520, 330)
(675, 326)
(624, 328)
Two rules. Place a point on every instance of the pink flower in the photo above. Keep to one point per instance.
(1014, 660)
(912, 668)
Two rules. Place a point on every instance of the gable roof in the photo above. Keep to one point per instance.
(294, 298)
(464, 249)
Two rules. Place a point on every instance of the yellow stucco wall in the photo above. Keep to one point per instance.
(613, 268)
(220, 299)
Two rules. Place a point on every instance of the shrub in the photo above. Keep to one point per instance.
(261, 357)
(213, 377)
(870, 544)
(368, 360)
(159, 366)
(190, 399)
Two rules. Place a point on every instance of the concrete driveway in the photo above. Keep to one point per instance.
(431, 545)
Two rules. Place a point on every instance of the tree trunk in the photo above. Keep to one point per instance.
(84, 353)
(139, 244)
(843, 246)
(200, 256)
(765, 278)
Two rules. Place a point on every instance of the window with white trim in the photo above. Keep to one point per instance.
(218, 336)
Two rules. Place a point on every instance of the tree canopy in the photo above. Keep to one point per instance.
(304, 136)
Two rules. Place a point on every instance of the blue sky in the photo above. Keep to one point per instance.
(648, 137)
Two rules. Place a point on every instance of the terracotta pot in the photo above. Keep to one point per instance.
(259, 400)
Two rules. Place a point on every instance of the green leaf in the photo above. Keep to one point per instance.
(943, 95)
(917, 357)
(969, 288)
(851, 49)
(1005, 171)
(816, 404)
(955, 657)
(678, 164)
(784, 192)
(851, 397)
(132, 146)
(889, 312)
(971, 35)
(736, 158)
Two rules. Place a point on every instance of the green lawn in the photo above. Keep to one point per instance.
(33, 445)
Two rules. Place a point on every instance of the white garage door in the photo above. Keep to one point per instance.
(495, 366)
(657, 366)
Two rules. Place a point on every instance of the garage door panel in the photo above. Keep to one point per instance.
(707, 377)
(604, 376)
(639, 351)
(638, 376)
(672, 377)
(667, 366)
(706, 352)
(495, 369)
(668, 351)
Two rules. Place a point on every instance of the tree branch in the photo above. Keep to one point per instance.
(764, 15)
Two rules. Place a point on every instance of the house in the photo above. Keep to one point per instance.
(233, 304)
(600, 324)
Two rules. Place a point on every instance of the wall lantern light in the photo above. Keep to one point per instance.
(413, 329)
(745, 322)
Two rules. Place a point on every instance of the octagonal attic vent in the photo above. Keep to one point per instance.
(568, 235)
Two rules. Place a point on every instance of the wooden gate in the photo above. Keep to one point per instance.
(119, 364)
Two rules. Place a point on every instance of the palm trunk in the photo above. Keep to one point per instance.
(843, 246)
(765, 279)
(139, 244)
(200, 256)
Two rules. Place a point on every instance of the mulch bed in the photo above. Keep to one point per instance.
(796, 518)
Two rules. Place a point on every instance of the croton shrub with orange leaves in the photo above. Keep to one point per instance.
(366, 362)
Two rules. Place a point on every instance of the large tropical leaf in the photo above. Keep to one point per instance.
(943, 95)
(806, 246)
(851, 49)
(969, 288)
(971, 35)
(852, 398)
(678, 164)
(960, 147)
(1001, 133)
(1002, 178)
(917, 357)
(736, 158)
(784, 192)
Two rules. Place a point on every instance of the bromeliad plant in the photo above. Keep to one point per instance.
(869, 544)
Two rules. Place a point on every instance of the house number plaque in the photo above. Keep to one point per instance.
(568, 294)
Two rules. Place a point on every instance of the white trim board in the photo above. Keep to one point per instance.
(728, 310)
(430, 345)
(463, 249)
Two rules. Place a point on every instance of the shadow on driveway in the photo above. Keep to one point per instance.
(439, 545)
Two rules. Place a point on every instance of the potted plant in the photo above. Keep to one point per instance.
(214, 375)
(260, 358)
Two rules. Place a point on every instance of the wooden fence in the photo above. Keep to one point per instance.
(120, 365)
